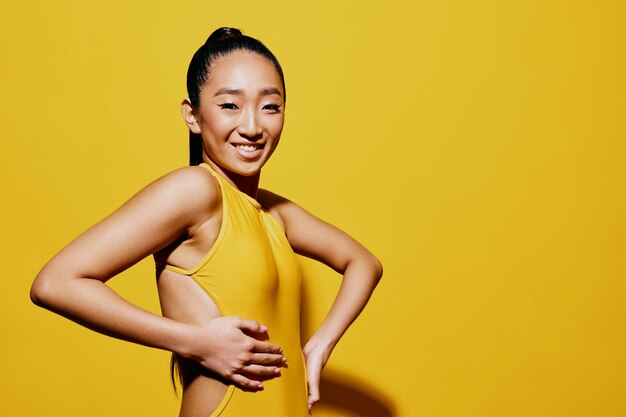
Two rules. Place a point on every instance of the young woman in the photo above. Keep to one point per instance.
(224, 249)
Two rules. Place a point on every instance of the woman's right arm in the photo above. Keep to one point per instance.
(72, 283)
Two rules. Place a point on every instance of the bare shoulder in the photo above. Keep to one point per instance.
(313, 237)
(187, 193)
(290, 214)
(190, 180)
(154, 217)
(192, 187)
(282, 205)
(277, 205)
(270, 200)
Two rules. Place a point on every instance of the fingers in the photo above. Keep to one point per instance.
(266, 347)
(248, 383)
(254, 326)
(314, 370)
(267, 359)
(314, 396)
(261, 370)
(251, 325)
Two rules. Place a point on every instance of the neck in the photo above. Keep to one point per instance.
(246, 184)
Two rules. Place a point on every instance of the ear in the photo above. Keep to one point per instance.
(189, 115)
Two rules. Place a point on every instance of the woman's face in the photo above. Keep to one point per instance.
(241, 112)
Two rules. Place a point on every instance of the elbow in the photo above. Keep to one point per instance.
(378, 267)
(41, 292)
(37, 292)
(367, 264)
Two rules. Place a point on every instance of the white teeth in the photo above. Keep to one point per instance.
(245, 147)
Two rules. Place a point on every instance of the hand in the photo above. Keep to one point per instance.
(316, 355)
(224, 346)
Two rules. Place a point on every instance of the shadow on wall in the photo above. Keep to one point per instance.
(342, 394)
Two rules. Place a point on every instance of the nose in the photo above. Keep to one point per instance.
(249, 126)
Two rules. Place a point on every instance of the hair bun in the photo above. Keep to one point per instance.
(223, 33)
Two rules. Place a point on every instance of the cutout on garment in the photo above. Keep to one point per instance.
(192, 374)
(205, 393)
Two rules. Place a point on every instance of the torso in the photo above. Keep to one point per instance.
(182, 300)
(185, 301)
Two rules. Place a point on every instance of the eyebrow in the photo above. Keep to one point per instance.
(262, 91)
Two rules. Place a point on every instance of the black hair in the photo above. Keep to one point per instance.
(222, 42)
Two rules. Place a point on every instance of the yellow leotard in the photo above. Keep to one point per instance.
(251, 271)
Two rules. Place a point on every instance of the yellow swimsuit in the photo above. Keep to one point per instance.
(251, 271)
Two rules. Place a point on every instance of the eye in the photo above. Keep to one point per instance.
(274, 107)
(230, 106)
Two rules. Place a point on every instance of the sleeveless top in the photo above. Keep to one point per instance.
(251, 271)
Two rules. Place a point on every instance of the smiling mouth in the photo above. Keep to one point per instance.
(248, 147)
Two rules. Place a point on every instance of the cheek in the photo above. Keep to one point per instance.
(276, 125)
(218, 123)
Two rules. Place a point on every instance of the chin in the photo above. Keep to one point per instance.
(248, 169)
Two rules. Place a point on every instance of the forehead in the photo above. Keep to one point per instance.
(243, 70)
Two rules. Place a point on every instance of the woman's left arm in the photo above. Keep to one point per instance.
(314, 238)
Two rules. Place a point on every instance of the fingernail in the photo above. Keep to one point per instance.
(260, 386)
(284, 359)
(277, 371)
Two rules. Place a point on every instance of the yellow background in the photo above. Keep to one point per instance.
(477, 147)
